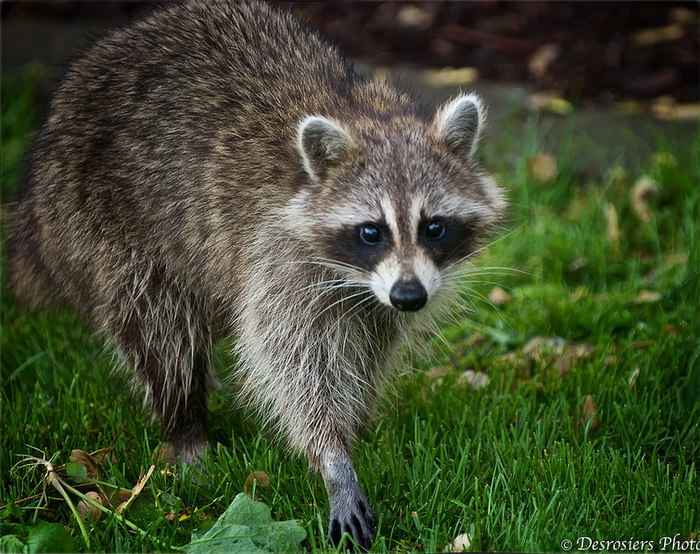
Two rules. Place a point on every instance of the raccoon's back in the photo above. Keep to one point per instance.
(165, 142)
(195, 88)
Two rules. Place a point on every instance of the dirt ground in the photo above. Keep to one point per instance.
(597, 52)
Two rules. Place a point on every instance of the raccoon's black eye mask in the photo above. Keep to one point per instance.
(447, 239)
(362, 245)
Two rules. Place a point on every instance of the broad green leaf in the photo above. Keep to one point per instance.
(49, 537)
(143, 510)
(9, 528)
(246, 527)
(170, 502)
(11, 544)
(75, 469)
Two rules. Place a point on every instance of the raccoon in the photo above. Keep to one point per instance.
(215, 170)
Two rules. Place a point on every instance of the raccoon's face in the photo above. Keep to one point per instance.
(396, 205)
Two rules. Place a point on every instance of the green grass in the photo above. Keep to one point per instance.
(514, 464)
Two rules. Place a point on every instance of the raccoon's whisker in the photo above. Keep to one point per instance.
(329, 285)
(322, 262)
(486, 282)
(471, 294)
(481, 249)
(467, 298)
(355, 307)
(336, 263)
(343, 299)
(321, 295)
(463, 279)
(437, 331)
(456, 277)
(483, 269)
(497, 270)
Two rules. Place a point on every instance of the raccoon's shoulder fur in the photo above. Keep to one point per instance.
(218, 169)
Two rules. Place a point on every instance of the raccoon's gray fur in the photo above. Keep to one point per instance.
(216, 169)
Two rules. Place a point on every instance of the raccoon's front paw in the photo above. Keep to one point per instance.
(352, 514)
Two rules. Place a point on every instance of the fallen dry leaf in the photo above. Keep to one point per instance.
(84, 459)
(411, 16)
(613, 226)
(451, 76)
(619, 176)
(136, 490)
(437, 372)
(521, 364)
(88, 511)
(542, 167)
(570, 357)
(99, 456)
(628, 107)
(475, 379)
(548, 101)
(498, 296)
(648, 37)
(633, 377)
(676, 112)
(664, 160)
(542, 58)
(165, 454)
(460, 544)
(580, 292)
(119, 497)
(260, 477)
(590, 414)
(648, 297)
(684, 16)
(537, 344)
(671, 330)
(578, 263)
(640, 196)
(556, 352)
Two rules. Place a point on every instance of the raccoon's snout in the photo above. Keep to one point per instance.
(408, 296)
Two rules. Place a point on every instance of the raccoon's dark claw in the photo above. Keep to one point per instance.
(353, 515)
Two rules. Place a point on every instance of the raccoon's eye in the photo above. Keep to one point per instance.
(434, 230)
(370, 234)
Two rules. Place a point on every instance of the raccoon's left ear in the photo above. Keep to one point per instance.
(321, 143)
(459, 122)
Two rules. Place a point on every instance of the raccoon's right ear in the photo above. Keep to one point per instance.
(321, 144)
(459, 122)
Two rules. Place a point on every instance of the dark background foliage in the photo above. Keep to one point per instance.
(598, 51)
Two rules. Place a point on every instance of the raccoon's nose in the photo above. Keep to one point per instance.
(408, 296)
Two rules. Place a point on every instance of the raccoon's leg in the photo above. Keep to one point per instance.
(159, 339)
(325, 424)
(181, 406)
(320, 408)
(317, 374)
(177, 395)
(350, 509)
